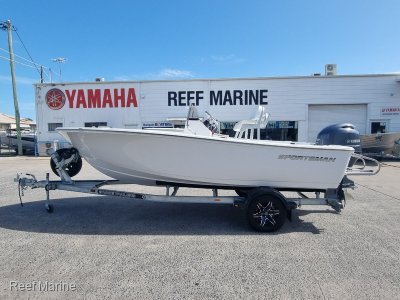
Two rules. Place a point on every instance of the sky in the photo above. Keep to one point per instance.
(177, 39)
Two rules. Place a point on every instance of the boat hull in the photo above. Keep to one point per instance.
(142, 157)
(380, 143)
(11, 141)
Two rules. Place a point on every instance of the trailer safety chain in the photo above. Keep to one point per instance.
(22, 185)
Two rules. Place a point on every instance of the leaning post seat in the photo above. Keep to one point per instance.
(245, 129)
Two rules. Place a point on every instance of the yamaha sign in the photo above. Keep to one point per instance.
(91, 98)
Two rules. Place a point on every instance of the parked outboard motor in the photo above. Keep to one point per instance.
(343, 134)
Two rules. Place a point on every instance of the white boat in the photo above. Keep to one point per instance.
(8, 139)
(196, 156)
(380, 143)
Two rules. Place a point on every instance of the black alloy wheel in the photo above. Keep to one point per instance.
(266, 213)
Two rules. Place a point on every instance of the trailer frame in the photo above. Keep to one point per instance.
(334, 198)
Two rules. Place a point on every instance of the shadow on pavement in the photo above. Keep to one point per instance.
(116, 216)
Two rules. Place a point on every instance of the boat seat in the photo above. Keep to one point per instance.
(246, 128)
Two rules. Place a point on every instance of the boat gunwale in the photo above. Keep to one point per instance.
(230, 140)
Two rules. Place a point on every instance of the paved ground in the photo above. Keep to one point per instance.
(122, 248)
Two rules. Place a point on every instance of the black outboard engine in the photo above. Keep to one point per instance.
(343, 134)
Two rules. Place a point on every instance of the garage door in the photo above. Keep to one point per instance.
(320, 116)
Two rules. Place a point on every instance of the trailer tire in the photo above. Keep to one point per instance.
(265, 212)
(72, 168)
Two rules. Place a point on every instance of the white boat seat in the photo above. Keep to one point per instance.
(246, 128)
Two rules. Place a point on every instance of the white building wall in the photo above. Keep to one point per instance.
(154, 99)
(288, 100)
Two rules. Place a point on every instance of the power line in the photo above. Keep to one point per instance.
(15, 61)
(3, 25)
(21, 57)
(36, 66)
(44, 67)
(16, 31)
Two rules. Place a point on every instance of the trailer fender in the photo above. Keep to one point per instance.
(267, 191)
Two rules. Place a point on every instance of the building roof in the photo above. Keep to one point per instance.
(6, 119)
(322, 76)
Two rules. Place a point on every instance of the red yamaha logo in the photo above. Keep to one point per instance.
(55, 99)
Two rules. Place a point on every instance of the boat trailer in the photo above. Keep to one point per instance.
(266, 207)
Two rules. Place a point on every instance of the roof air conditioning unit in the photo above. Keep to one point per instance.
(330, 70)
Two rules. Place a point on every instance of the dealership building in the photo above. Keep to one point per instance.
(299, 107)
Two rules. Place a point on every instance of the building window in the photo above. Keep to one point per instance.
(378, 127)
(281, 131)
(276, 130)
(52, 126)
(95, 124)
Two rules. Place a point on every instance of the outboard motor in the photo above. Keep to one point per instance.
(343, 134)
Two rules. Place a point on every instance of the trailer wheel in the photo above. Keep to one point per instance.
(266, 213)
(73, 167)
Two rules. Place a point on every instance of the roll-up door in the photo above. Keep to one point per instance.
(320, 116)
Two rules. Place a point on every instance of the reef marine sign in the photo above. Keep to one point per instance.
(219, 97)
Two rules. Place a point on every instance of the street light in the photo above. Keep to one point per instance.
(59, 60)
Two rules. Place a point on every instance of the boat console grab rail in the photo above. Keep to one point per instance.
(365, 168)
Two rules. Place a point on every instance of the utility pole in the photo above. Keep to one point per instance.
(8, 27)
(41, 74)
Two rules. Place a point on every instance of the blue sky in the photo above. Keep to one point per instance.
(176, 39)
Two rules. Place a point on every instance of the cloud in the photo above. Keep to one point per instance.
(162, 74)
(227, 59)
(174, 73)
(20, 80)
(124, 78)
